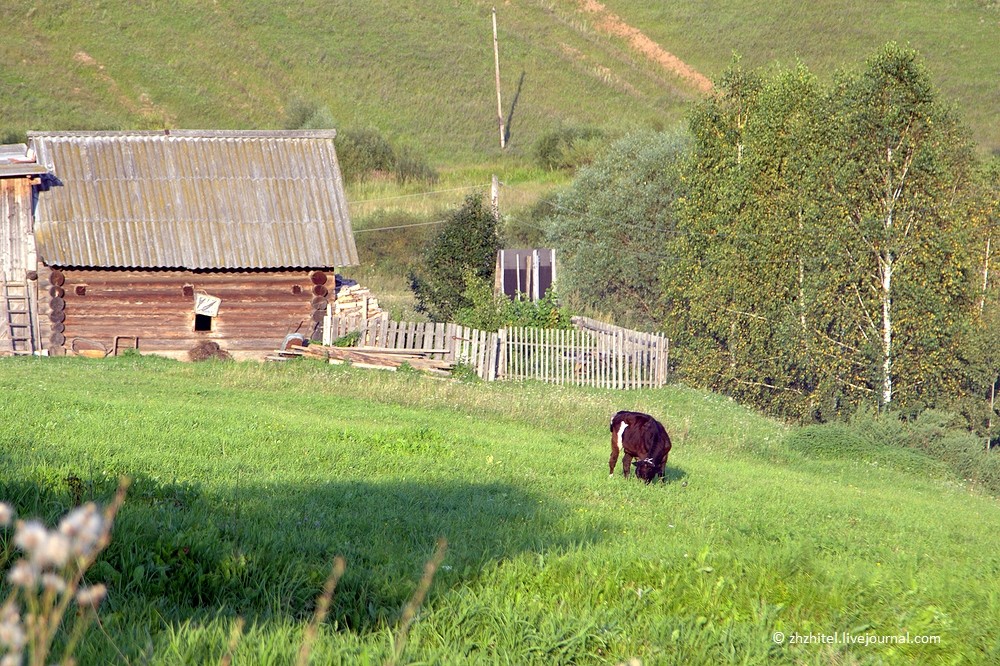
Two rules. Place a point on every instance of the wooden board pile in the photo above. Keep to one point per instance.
(371, 357)
(353, 300)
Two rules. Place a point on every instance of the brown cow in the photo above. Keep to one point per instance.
(642, 437)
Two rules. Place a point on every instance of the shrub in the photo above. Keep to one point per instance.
(934, 438)
(568, 147)
(363, 153)
(467, 245)
(489, 311)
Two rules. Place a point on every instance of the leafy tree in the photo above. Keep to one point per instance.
(467, 245)
(824, 251)
(899, 170)
(611, 226)
(736, 285)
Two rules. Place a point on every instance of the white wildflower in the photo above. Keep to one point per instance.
(91, 596)
(12, 634)
(22, 574)
(51, 581)
(12, 659)
(6, 514)
(29, 535)
(52, 552)
(83, 526)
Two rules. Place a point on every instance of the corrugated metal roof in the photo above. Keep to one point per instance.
(196, 199)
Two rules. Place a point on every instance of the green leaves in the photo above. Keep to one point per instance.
(611, 227)
(823, 257)
(467, 244)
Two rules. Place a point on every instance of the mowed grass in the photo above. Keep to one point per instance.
(250, 478)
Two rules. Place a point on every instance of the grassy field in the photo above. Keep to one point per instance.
(250, 478)
(422, 73)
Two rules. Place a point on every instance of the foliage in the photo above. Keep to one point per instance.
(467, 245)
(489, 311)
(568, 147)
(364, 152)
(824, 257)
(349, 340)
(525, 227)
(611, 227)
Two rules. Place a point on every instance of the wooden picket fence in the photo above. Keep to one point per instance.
(608, 357)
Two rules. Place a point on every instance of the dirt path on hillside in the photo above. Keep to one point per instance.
(144, 108)
(610, 23)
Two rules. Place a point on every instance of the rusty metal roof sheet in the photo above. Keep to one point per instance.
(196, 199)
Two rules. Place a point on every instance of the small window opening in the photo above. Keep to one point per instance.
(202, 322)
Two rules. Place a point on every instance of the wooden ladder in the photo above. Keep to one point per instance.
(17, 308)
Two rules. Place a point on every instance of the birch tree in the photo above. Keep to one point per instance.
(898, 166)
(825, 256)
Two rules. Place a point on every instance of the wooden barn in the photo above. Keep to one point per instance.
(163, 240)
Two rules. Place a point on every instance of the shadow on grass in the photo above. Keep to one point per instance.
(264, 552)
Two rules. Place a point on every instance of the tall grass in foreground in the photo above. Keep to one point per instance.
(250, 478)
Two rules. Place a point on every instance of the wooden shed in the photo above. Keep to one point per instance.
(525, 273)
(162, 240)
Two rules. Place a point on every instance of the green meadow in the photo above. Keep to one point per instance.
(422, 73)
(250, 478)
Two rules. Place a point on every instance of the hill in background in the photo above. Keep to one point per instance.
(422, 73)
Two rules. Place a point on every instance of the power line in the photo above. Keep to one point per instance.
(417, 194)
(400, 226)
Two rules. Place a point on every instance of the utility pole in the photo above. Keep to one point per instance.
(496, 61)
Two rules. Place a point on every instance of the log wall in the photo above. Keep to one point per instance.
(88, 307)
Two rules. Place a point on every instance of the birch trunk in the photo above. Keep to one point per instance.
(886, 295)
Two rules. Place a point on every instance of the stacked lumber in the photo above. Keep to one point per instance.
(354, 301)
(371, 357)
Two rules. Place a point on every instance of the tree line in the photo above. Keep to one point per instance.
(812, 248)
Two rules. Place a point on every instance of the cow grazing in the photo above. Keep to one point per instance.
(641, 437)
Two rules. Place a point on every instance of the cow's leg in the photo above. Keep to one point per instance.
(616, 447)
(614, 454)
(627, 463)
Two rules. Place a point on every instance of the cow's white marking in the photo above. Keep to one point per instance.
(621, 431)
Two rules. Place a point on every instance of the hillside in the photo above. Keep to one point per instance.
(422, 73)
(250, 478)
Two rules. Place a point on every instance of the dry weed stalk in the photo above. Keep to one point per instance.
(410, 612)
(322, 608)
(48, 578)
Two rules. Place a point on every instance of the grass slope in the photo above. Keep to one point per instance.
(250, 478)
(422, 73)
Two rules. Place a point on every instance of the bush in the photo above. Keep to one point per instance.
(467, 245)
(364, 152)
(568, 147)
(933, 438)
(488, 311)
(410, 167)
